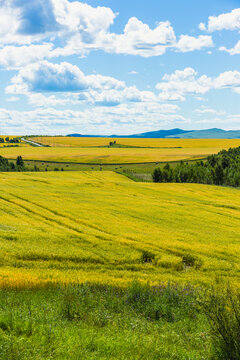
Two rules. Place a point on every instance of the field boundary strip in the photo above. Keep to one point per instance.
(110, 164)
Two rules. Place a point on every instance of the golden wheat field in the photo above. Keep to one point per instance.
(173, 150)
(101, 227)
(67, 141)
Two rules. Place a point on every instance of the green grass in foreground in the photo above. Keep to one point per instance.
(103, 322)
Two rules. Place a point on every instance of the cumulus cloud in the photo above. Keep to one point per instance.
(37, 17)
(227, 21)
(233, 51)
(115, 97)
(29, 21)
(13, 57)
(136, 39)
(82, 18)
(139, 39)
(96, 89)
(228, 79)
(189, 43)
(76, 28)
(9, 23)
(185, 82)
(182, 82)
(26, 22)
(65, 77)
(74, 85)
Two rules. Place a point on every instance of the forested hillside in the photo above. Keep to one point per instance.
(220, 169)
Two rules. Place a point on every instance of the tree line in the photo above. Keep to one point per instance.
(6, 165)
(220, 169)
(15, 140)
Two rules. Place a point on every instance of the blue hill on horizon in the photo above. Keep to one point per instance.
(213, 133)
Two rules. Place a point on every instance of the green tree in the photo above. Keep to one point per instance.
(20, 161)
(157, 175)
(219, 174)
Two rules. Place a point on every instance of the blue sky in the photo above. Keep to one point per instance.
(118, 67)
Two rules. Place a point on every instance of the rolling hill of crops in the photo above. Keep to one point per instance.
(102, 227)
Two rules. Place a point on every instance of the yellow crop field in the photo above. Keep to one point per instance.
(66, 141)
(102, 227)
(114, 155)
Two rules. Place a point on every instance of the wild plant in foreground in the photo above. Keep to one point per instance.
(222, 309)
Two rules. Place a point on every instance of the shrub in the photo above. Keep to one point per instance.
(222, 309)
(147, 256)
(169, 302)
(191, 260)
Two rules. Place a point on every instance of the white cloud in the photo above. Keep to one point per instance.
(139, 39)
(73, 87)
(18, 56)
(9, 25)
(233, 51)
(182, 82)
(65, 77)
(136, 39)
(205, 111)
(76, 28)
(200, 98)
(185, 82)
(25, 22)
(189, 43)
(227, 21)
(81, 18)
(40, 100)
(228, 79)
(99, 120)
(202, 27)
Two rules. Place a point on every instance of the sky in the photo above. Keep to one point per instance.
(118, 67)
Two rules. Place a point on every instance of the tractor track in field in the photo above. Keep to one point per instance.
(131, 242)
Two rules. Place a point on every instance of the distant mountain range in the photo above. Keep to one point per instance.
(177, 134)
